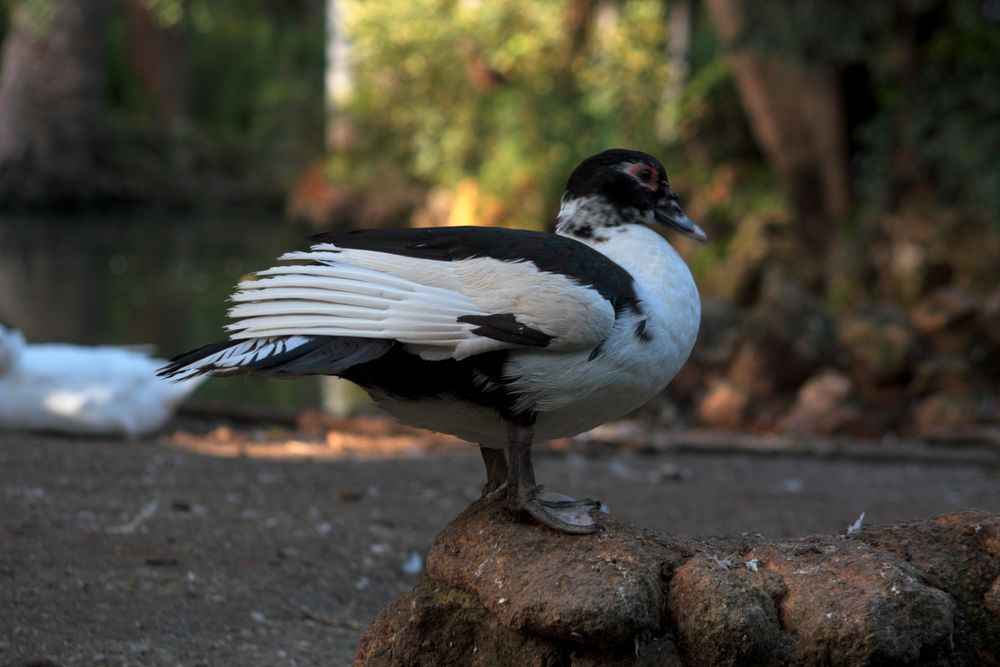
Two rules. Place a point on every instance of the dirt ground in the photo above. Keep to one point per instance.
(149, 553)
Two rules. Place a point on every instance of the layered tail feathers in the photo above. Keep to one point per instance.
(277, 356)
(327, 314)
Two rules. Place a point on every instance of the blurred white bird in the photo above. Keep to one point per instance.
(82, 389)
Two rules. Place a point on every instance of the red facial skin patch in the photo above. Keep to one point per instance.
(645, 174)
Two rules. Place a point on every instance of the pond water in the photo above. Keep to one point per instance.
(143, 277)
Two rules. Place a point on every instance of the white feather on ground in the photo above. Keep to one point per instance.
(83, 390)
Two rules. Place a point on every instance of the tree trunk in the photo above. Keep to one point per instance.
(677, 54)
(51, 101)
(159, 54)
(796, 114)
(340, 131)
(578, 23)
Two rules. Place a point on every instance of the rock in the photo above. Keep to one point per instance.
(600, 600)
(502, 592)
(751, 371)
(941, 373)
(838, 601)
(903, 259)
(879, 344)
(991, 599)
(947, 317)
(849, 604)
(943, 309)
(946, 408)
(990, 317)
(438, 625)
(724, 406)
(801, 333)
(725, 617)
(718, 335)
(788, 337)
(959, 554)
(601, 591)
(824, 405)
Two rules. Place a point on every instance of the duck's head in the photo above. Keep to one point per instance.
(11, 344)
(621, 187)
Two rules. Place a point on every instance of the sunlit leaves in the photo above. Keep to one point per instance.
(448, 89)
(166, 13)
(33, 16)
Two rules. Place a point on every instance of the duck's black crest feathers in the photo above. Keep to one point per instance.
(549, 252)
(592, 175)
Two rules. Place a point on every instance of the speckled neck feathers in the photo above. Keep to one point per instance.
(591, 218)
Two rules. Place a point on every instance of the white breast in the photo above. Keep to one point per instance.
(576, 394)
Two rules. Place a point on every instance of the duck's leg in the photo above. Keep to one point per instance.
(564, 514)
(496, 470)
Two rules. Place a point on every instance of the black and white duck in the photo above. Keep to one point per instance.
(501, 337)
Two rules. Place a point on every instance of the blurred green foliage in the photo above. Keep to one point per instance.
(511, 95)
(253, 73)
(505, 97)
(35, 16)
(932, 72)
(553, 96)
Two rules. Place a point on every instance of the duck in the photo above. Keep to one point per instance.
(84, 390)
(501, 337)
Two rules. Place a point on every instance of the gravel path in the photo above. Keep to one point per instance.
(146, 554)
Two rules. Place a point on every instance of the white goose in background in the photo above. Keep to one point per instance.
(80, 389)
(501, 337)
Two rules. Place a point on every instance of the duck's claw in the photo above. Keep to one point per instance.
(496, 472)
(491, 493)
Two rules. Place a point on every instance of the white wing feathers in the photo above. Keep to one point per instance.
(371, 294)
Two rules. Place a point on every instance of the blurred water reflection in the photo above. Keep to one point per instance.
(142, 277)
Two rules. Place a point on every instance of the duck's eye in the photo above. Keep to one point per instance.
(646, 175)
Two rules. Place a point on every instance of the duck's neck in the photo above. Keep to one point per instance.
(588, 219)
(646, 255)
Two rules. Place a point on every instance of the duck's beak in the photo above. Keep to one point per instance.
(668, 212)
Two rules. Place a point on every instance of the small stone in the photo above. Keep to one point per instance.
(946, 409)
(351, 495)
(413, 565)
(944, 309)
(724, 406)
(879, 344)
(823, 405)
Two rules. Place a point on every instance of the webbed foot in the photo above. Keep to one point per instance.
(557, 511)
